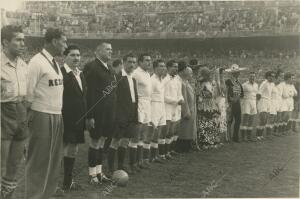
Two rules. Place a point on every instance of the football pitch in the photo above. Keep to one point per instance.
(263, 169)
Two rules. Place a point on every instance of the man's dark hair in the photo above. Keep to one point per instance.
(278, 72)
(156, 62)
(7, 32)
(182, 66)
(116, 63)
(128, 55)
(71, 47)
(193, 62)
(101, 43)
(287, 76)
(170, 63)
(141, 57)
(268, 74)
(53, 33)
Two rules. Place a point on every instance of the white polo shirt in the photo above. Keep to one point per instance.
(45, 85)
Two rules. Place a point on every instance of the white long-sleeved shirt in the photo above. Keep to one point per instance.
(280, 88)
(144, 85)
(250, 90)
(172, 92)
(45, 85)
(265, 90)
(289, 91)
(157, 93)
(178, 80)
(275, 94)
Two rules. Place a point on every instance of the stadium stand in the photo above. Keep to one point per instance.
(88, 18)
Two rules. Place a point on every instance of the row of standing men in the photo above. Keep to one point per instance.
(143, 115)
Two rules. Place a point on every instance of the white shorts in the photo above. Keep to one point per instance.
(264, 105)
(275, 106)
(287, 105)
(158, 113)
(290, 103)
(249, 106)
(171, 112)
(177, 114)
(144, 111)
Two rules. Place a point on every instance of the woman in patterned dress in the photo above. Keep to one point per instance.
(208, 123)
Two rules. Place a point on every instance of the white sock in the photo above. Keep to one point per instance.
(98, 169)
(92, 171)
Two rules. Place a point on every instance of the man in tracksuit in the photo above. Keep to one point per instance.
(44, 97)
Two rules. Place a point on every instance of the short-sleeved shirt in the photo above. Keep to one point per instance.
(13, 79)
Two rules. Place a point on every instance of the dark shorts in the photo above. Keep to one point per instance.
(14, 124)
(73, 136)
(127, 130)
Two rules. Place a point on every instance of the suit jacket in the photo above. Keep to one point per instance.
(74, 107)
(126, 111)
(101, 97)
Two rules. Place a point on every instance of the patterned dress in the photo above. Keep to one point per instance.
(208, 121)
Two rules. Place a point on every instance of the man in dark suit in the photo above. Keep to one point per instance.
(126, 117)
(74, 108)
(101, 108)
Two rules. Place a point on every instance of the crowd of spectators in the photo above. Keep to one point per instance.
(257, 60)
(158, 16)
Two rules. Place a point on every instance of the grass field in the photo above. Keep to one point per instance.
(235, 170)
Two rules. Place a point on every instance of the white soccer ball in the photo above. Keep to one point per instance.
(120, 178)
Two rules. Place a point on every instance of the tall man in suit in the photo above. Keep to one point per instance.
(101, 108)
(126, 117)
(73, 110)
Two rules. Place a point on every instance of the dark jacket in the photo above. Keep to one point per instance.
(74, 108)
(101, 97)
(127, 112)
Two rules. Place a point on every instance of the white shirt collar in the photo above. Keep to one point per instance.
(47, 54)
(68, 69)
(5, 60)
(156, 76)
(124, 73)
(144, 71)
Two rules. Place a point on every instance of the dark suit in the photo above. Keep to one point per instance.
(127, 111)
(101, 98)
(74, 108)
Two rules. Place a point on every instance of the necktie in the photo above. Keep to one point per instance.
(55, 66)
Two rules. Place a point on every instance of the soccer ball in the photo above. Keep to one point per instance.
(120, 178)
